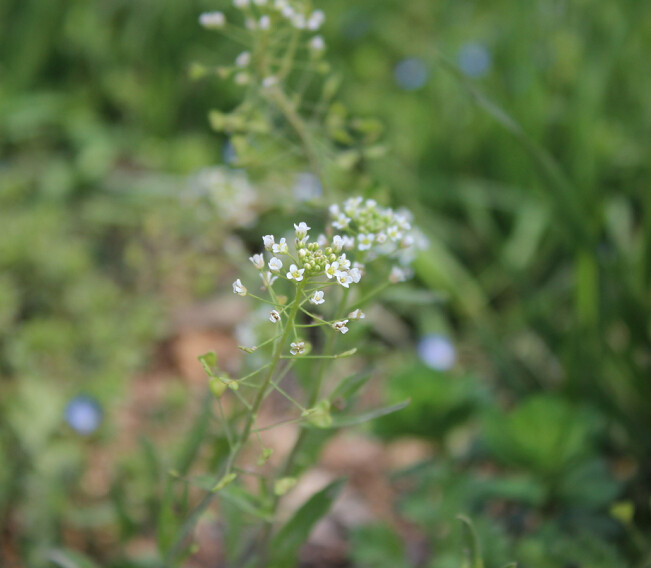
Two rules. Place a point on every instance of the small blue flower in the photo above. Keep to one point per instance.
(437, 352)
(229, 155)
(83, 414)
(474, 59)
(411, 73)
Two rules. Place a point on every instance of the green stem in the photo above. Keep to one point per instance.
(237, 447)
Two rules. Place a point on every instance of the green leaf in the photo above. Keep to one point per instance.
(370, 415)
(193, 439)
(296, 531)
(319, 416)
(208, 360)
(70, 559)
(283, 485)
(349, 387)
(167, 522)
(224, 481)
(473, 557)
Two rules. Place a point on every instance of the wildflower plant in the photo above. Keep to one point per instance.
(312, 284)
(288, 115)
(312, 291)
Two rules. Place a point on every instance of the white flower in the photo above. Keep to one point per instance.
(351, 206)
(268, 241)
(265, 22)
(340, 326)
(280, 4)
(393, 232)
(274, 316)
(275, 264)
(334, 210)
(349, 242)
(212, 20)
(397, 275)
(297, 348)
(331, 269)
(322, 240)
(270, 81)
(381, 238)
(317, 43)
(356, 314)
(240, 3)
(295, 273)
(268, 279)
(341, 222)
(250, 24)
(403, 218)
(301, 230)
(316, 20)
(243, 59)
(344, 279)
(344, 263)
(288, 12)
(355, 274)
(365, 241)
(239, 288)
(299, 21)
(337, 243)
(281, 247)
(407, 241)
(317, 298)
(257, 260)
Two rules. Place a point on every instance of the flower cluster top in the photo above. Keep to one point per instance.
(358, 232)
(261, 16)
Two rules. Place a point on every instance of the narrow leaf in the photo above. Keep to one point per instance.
(293, 535)
(65, 558)
(370, 415)
(473, 550)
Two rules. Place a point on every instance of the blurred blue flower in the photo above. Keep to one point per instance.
(474, 59)
(411, 73)
(229, 155)
(83, 414)
(437, 352)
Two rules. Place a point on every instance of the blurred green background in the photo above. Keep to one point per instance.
(518, 131)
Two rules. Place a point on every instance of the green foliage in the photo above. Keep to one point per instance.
(439, 403)
(294, 533)
(531, 182)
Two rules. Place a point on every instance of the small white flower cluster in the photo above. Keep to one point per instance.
(359, 229)
(312, 259)
(261, 16)
(378, 231)
(322, 263)
(229, 191)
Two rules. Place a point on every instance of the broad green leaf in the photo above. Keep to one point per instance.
(286, 544)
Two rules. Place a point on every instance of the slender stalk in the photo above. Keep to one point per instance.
(237, 447)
